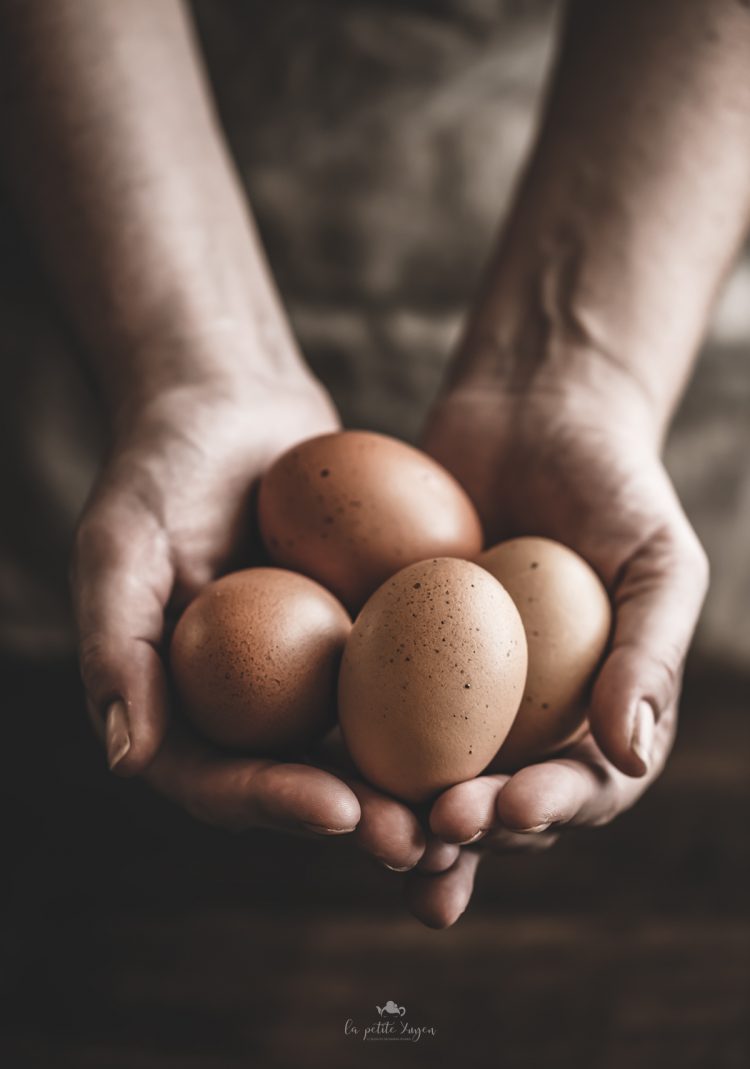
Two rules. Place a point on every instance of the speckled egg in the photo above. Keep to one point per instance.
(350, 509)
(567, 618)
(431, 678)
(254, 660)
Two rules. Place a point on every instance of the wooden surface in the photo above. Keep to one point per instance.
(134, 939)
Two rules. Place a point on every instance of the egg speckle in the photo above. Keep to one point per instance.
(254, 660)
(368, 505)
(418, 716)
(567, 617)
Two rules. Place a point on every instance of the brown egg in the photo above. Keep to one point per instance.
(254, 660)
(431, 678)
(350, 509)
(566, 615)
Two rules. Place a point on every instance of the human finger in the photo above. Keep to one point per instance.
(464, 813)
(121, 579)
(657, 603)
(438, 900)
(240, 793)
(388, 830)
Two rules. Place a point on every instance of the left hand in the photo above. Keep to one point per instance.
(568, 465)
(170, 513)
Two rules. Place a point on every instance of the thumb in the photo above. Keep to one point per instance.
(121, 578)
(657, 604)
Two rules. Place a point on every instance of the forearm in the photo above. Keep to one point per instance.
(633, 206)
(113, 154)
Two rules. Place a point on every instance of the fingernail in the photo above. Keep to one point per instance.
(321, 829)
(395, 868)
(642, 738)
(116, 732)
(536, 830)
(473, 839)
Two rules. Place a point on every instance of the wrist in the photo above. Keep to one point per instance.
(586, 296)
(211, 364)
(249, 424)
(249, 406)
(570, 385)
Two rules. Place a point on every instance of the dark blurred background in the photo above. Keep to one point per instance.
(379, 143)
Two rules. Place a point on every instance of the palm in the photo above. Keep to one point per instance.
(600, 488)
(170, 513)
(203, 478)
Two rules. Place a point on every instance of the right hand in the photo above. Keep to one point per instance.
(169, 513)
(580, 466)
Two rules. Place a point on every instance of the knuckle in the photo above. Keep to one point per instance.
(90, 554)
(701, 565)
(94, 653)
(78, 552)
(669, 666)
(659, 673)
(695, 562)
(606, 798)
(232, 807)
(94, 542)
(88, 533)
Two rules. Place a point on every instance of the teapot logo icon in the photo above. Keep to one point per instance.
(391, 1009)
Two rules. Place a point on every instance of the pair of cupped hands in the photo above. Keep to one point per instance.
(172, 510)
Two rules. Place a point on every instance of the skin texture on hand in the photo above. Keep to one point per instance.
(632, 207)
(591, 478)
(634, 203)
(170, 512)
(117, 163)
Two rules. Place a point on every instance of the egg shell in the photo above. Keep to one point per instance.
(567, 618)
(431, 678)
(255, 657)
(350, 509)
